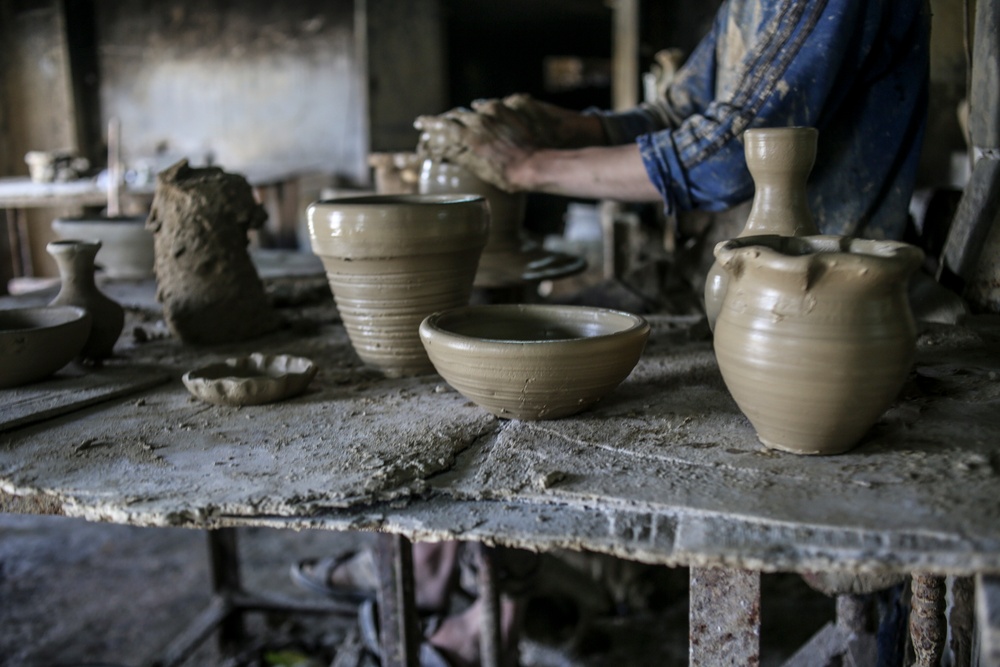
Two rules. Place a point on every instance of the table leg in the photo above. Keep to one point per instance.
(225, 563)
(400, 635)
(724, 618)
(489, 636)
(928, 627)
(960, 620)
(988, 619)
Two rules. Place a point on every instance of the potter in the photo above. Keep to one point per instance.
(779, 160)
(815, 336)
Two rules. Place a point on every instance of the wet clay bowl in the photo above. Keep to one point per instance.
(253, 380)
(37, 342)
(392, 260)
(534, 361)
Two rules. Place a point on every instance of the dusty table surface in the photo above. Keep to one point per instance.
(664, 470)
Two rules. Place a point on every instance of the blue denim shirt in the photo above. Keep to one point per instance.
(855, 69)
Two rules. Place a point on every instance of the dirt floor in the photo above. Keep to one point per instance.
(77, 593)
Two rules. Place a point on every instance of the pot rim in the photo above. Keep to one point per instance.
(801, 254)
(364, 202)
(435, 326)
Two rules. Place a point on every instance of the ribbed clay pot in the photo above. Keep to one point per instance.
(780, 160)
(391, 261)
(815, 336)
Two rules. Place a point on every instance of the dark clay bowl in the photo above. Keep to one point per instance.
(36, 342)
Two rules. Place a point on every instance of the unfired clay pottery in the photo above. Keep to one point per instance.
(780, 160)
(253, 380)
(815, 336)
(394, 259)
(205, 279)
(509, 258)
(126, 246)
(36, 342)
(534, 361)
(75, 260)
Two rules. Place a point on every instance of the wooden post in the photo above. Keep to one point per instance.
(724, 623)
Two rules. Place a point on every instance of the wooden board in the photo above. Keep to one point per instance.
(71, 389)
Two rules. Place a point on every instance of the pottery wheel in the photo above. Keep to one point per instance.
(531, 263)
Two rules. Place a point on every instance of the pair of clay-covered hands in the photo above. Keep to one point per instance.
(495, 136)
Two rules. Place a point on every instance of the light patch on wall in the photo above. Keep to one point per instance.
(566, 73)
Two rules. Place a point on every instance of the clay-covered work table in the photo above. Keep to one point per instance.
(664, 470)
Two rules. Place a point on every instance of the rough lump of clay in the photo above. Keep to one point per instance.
(208, 286)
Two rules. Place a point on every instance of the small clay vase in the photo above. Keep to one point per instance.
(780, 160)
(75, 260)
(391, 261)
(815, 336)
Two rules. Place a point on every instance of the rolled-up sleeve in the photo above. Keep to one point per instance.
(771, 64)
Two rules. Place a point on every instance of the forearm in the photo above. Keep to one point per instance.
(583, 131)
(614, 172)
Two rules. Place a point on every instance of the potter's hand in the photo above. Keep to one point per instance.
(543, 125)
(440, 136)
(486, 144)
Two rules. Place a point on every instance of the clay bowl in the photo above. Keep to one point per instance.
(36, 342)
(534, 361)
(391, 261)
(127, 249)
(253, 380)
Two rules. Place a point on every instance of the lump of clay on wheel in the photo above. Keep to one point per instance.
(208, 286)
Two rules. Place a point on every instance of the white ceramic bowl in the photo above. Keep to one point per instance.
(36, 342)
(534, 361)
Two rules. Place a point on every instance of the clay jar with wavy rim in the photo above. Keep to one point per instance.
(815, 336)
(75, 260)
(392, 260)
(780, 160)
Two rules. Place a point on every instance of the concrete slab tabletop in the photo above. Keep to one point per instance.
(664, 470)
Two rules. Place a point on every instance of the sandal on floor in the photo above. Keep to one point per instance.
(429, 655)
(358, 567)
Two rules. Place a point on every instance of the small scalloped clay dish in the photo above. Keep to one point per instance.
(253, 380)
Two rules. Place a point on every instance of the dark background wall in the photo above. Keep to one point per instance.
(316, 85)
(254, 85)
